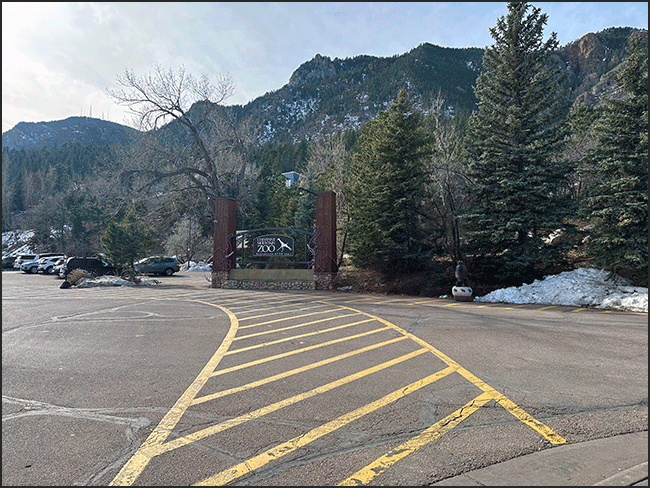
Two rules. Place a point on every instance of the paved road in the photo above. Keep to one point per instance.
(178, 384)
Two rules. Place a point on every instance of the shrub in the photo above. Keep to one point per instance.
(76, 274)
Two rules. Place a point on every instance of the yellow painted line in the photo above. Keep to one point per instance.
(546, 308)
(511, 407)
(364, 299)
(438, 303)
(296, 351)
(136, 464)
(368, 473)
(276, 312)
(260, 305)
(155, 450)
(286, 374)
(424, 302)
(393, 300)
(285, 448)
(273, 331)
(285, 318)
(578, 310)
(270, 343)
(548, 433)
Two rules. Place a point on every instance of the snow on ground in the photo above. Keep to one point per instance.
(112, 281)
(115, 281)
(16, 242)
(192, 266)
(580, 287)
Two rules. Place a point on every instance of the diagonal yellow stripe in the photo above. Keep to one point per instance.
(291, 338)
(277, 452)
(284, 319)
(275, 312)
(511, 407)
(367, 474)
(289, 327)
(298, 351)
(292, 372)
(260, 412)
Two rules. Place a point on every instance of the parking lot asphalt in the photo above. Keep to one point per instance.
(615, 460)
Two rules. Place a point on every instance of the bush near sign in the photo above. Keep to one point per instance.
(273, 245)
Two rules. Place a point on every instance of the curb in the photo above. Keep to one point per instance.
(630, 477)
(620, 460)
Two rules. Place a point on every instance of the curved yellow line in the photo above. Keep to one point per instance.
(154, 443)
(511, 407)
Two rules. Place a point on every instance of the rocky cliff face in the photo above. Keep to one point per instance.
(586, 54)
(594, 61)
(319, 68)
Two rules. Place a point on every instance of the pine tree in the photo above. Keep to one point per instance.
(517, 182)
(617, 205)
(387, 184)
(127, 240)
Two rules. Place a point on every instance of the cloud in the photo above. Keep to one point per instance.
(60, 58)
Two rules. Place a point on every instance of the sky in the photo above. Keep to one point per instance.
(59, 59)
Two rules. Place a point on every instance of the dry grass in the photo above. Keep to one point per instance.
(76, 274)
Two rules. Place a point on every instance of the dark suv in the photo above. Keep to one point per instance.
(93, 264)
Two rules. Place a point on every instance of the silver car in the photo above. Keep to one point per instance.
(47, 265)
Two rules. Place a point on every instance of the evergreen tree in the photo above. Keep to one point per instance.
(386, 190)
(127, 240)
(617, 204)
(305, 216)
(518, 183)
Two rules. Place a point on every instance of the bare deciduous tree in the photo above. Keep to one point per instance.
(327, 159)
(446, 177)
(186, 132)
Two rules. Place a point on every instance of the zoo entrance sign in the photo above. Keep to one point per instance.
(273, 245)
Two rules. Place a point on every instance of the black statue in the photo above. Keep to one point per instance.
(461, 274)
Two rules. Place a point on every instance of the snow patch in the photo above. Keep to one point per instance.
(580, 287)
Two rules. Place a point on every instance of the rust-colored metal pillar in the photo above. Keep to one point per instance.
(325, 267)
(223, 248)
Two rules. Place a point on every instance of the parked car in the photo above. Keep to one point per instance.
(57, 267)
(46, 265)
(8, 262)
(23, 258)
(32, 266)
(163, 265)
(92, 264)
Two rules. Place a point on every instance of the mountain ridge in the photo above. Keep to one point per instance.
(81, 130)
(326, 95)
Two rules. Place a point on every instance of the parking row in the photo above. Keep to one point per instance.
(62, 265)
